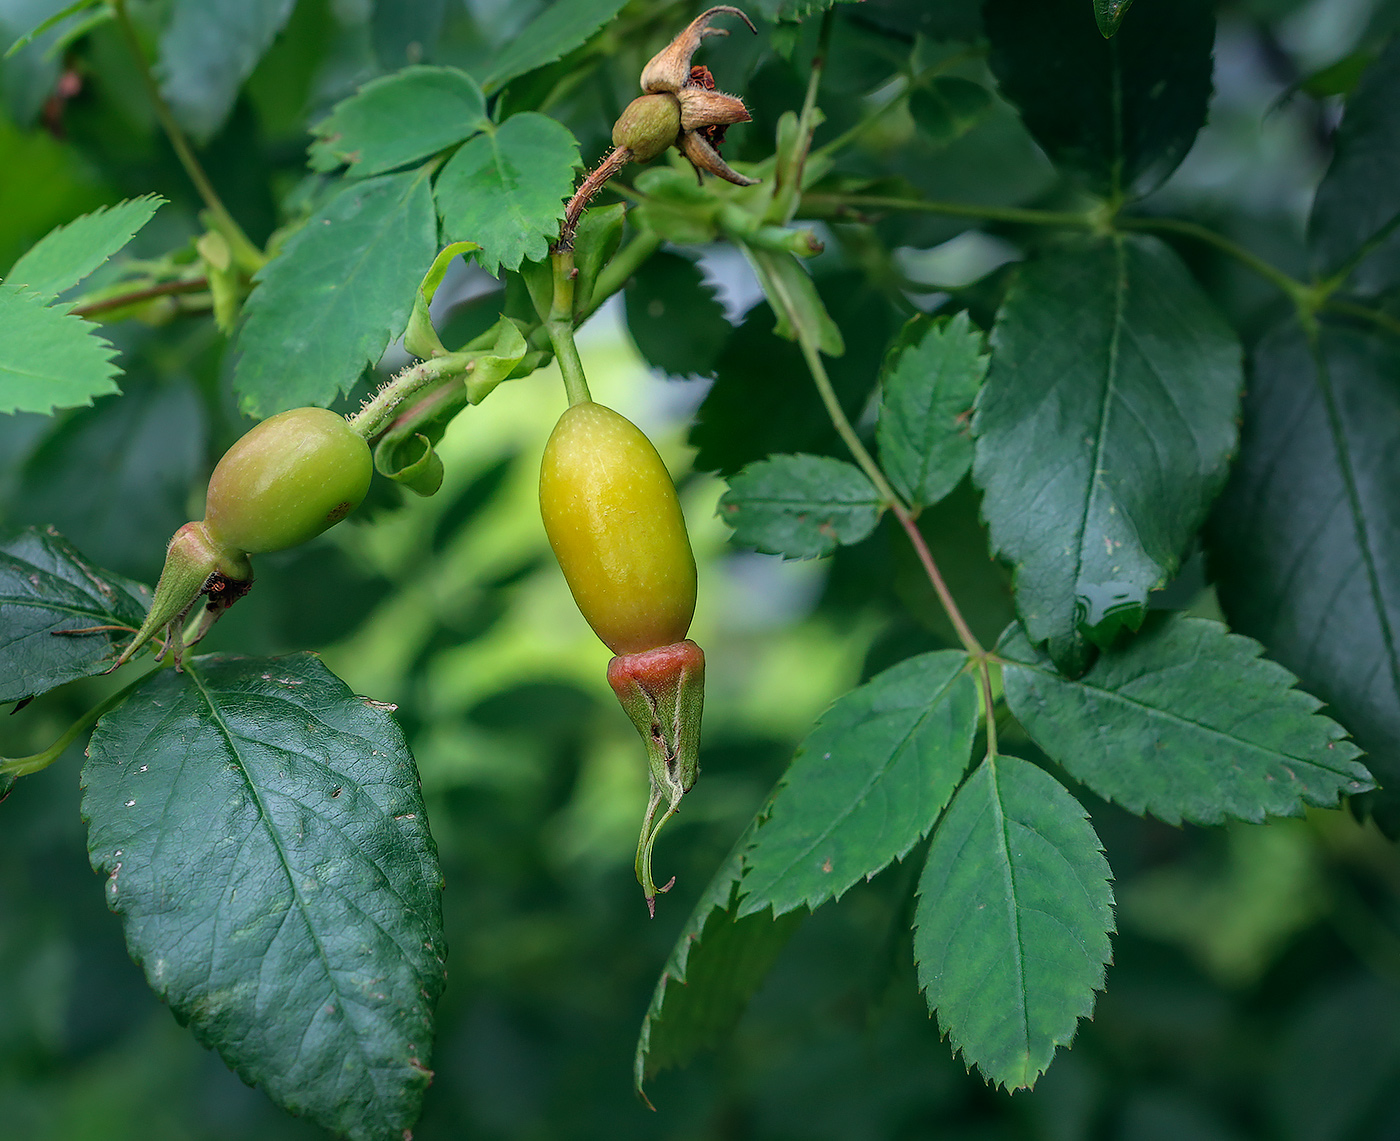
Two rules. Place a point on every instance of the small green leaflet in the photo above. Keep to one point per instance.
(206, 52)
(1355, 223)
(263, 838)
(947, 107)
(48, 358)
(1108, 14)
(718, 962)
(1305, 542)
(338, 292)
(47, 586)
(1104, 431)
(1011, 930)
(398, 119)
(67, 254)
(1185, 722)
(928, 383)
(866, 785)
(800, 507)
(558, 30)
(505, 189)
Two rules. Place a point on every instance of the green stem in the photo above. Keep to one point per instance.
(1300, 293)
(378, 412)
(248, 256)
(1377, 317)
(25, 766)
(812, 355)
(560, 327)
(1014, 215)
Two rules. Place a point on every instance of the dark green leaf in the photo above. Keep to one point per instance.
(1011, 931)
(948, 107)
(339, 291)
(46, 585)
(263, 838)
(1103, 434)
(67, 254)
(558, 30)
(790, 10)
(1185, 722)
(1118, 113)
(398, 119)
(763, 399)
(505, 189)
(866, 785)
(1305, 543)
(928, 383)
(116, 478)
(48, 358)
(209, 48)
(673, 316)
(801, 507)
(1355, 222)
(718, 962)
(55, 13)
(1108, 14)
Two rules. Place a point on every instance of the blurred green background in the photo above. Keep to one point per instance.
(1255, 989)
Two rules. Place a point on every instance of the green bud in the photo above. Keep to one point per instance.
(649, 125)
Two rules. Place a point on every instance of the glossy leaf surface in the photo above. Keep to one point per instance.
(262, 837)
(866, 785)
(1306, 540)
(1011, 931)
(1186, 722)
(46, 585)
(1104, 432)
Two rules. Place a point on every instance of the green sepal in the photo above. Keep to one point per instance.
(194, 564)
(222, 275)
(508, 349)
(595, 242)
(663, 692)
(410, 461)
(420, 338)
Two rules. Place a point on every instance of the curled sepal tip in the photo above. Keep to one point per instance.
(195, 565)
(663, 691)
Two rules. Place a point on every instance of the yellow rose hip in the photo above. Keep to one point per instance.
(612, 517)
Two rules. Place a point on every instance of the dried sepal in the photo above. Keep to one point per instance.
(702, 156)
(701, 108)
(669, 69)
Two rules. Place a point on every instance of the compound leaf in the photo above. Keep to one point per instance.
(208, 49)
(1356, 214)
(398, 119)
(47, 586)
(1118, 113)
(866, 785)
(48, 358)
(1011, 930)
(801, 507)
(1103, 434)
(263, 838)
(505, 189)
(1305, 544)
(339, 291)
(718, 962)
(1185, 722)
(67, 254)
(929, 381)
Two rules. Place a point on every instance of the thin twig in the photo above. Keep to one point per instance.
(122, 300)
